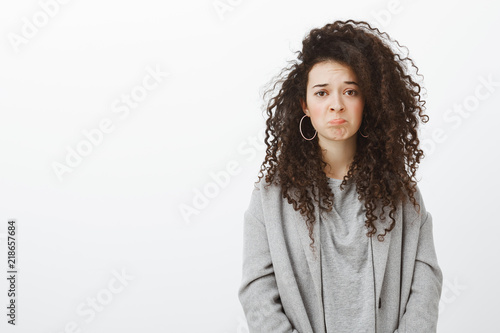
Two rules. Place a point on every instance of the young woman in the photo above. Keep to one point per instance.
(336, 236)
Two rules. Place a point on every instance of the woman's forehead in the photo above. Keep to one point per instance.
(328, 70)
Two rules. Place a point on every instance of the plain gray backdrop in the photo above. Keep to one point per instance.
(131, 135)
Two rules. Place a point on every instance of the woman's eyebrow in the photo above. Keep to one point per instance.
(326, 84)
(320, 85)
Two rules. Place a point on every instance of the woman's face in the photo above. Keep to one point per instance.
(334, 101)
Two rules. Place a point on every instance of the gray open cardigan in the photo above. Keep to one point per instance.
(280, 289)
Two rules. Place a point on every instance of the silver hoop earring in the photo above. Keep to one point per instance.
(362, 134)
(300, 128)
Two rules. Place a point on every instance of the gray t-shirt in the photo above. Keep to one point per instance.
(347, 264)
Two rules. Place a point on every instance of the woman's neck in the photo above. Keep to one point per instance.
(338, 155)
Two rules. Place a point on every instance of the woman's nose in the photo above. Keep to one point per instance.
(336, 107)
(336, 104)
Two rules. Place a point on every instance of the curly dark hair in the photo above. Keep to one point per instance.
(385, 162)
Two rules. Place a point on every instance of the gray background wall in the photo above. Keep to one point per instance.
(131, 135)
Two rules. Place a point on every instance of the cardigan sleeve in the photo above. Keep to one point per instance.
(258, 292)
(422, 308)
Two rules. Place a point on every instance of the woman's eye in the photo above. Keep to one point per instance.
(320, 92)
(351, 92)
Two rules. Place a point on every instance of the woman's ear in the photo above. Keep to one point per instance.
(304, 107)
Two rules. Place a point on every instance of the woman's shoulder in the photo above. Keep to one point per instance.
(264, 196)
(266, 189)
(415, 209)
